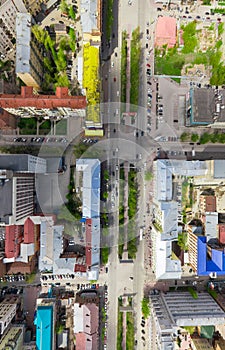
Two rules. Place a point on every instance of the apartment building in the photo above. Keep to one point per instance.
(16, 196)
(57, 106)
(34, 6)
(8, 12)
(12, 339)
(7, 313)
(29, 61)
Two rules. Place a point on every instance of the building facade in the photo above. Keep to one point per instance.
(17, 196)
(12, 339)
(47, 106)
(8, 12)
(7, 313)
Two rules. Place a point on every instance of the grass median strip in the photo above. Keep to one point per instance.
(124, 67)
(135, 54)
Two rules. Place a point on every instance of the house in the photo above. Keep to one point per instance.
(166, 32)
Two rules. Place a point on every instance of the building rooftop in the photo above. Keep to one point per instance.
(219, 168)
(89, 15)
(44, 327)
(13, 239)
(184, 310)
(206, 106)
(29, 227)
(23, 37)
(166, 31)
(28, 99)
(22, 163)
(211, 222)
(221, 233)
(6, 209)
(210, 203)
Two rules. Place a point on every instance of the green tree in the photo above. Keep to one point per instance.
(64, 7)
(183, 241)
(194, 137)
(71, 13)
(184, 137)
(145, 307)
(205, 138)
(105, 255)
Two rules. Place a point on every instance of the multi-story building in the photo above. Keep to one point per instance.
(34, 6)
(90, 15)
(7, 313)
(200, 344)
(45, 324)
(12, 339)
(173, 310)
(16, 196)
(86, 324)
(8, 12)
(205, 107)
(90, 170)
(29, 61)
(23, 163)
(47, 106)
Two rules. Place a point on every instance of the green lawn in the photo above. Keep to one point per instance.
(130, 331)
(135, 54)
(119, 330)
(124, 67)
(28, 126)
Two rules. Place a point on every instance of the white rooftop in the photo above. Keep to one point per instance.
(23, 37)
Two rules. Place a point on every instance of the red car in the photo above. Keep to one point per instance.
(114, 79)
(148, 65)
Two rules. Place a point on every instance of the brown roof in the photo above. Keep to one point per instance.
(210, 203)
(28, 99)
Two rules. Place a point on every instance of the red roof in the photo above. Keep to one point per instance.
(222, 233)
(86, 342)
(27, 99)
(88, 242)
(13, 238)
(80, 268)
(210, 203)
(166, 32)
(29, 231)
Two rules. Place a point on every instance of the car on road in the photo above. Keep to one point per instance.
(114, 79)
(112, 64)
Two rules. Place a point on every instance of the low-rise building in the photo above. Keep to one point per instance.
(86, 323)
(45, 325)
(12, 338)
(47, 106)
(173, 310)
(7, 313)
(205, 107)
(166, 32)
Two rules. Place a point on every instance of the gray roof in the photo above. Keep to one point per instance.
(22, 163)
(169, 220)
(207, 105)
(23, 37)
(219, 169)
(187, 311)
(6, 201)
(89, 14)
(211, 222)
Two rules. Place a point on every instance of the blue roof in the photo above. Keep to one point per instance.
(44, 327)
(204, 265)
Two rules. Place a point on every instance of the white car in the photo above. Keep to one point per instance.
(112, 64)
(213, 275)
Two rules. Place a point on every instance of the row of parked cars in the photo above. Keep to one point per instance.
(40, 139)
(12, 278)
